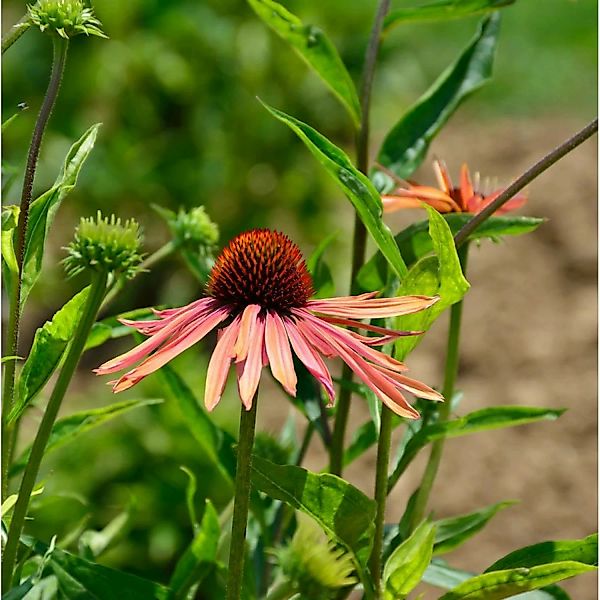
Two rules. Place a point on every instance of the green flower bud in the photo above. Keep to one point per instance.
(105, 244)
(191, 229)
(313, 564)
(66, 18)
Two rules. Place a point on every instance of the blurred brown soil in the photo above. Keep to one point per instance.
(529, 338)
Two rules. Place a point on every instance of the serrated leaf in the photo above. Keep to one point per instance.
(344, 512)
(43, 209)
(49, 345)
(441, 10)
(68, 428)
(315, 48)
(405, 146)
(357, 187)
(405, 567)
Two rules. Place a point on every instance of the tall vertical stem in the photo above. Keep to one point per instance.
(60, 48)
(450, 373)
(241, 501)
(93, 302)
(359, 241)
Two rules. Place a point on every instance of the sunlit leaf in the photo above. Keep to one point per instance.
(315, 48)
(10, 268)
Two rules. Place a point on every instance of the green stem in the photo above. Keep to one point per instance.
(381, 478)
(450, 373)
(14, 33)
(241, 501)
(60, 48)
(96, 294)
(359, 240)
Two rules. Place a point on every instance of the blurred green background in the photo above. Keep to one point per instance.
(175, 87)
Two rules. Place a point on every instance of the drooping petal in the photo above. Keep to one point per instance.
(279, 354)
(514, 203)
(372, 308)
(252, 365)
(415, 387)
(392, 203)
(247, 324)
(392, 333)
(443, 176)
(439, 199)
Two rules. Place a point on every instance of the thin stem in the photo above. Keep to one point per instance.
(381, 478)
(14, 33)
(96, 293)
(359, 241)
(241, 501)
(534, 171)
(60, 48)
(450, 373)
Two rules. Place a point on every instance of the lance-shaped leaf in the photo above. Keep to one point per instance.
(439, 275)
(414, 242)
(344, 512)
(357, 187)
(441, 10)
(487, 419)
(92, 544)
(68, 428)
(405, 567)
(10, 268)
(43, 209)
(49, 345)
(315, 48)
(405, 146)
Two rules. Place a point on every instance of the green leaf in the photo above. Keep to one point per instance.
(93, 544)
(441, 10)
(49, 345)
(415, 241)
(65, 430)
(485, 419)
(357, 187)
(502, 584)
(10, 268)
(110, 328)
(322, 279)
(452, 532)
(584, 551)
(344, 512)
(405, 146)
(439, 275)
(8, 122)
(315, 48)
(405, 567)
(43, 209)
(199, 557)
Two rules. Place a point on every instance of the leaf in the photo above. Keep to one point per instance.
(439, 275)
(441, 575)
(452, 532)
(94, 543)
(10, 268)
(441, 10)
(364, 437)
(199, 557)
(319, 270)
(65, 430)
(502, 584)
(584, 551)
(110, 328)
(315, 48)
(10, 502)
(357, 187)
(405, 146)
(415, 241)
(344, 512)
(43, 209)
(49, 345)
(405, 567)
(485, 419)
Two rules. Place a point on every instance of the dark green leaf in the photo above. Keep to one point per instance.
(43, 209)
(68, 428)
(110, 328)
(441, 10)
(344, 512)
(49, 345)
(406, 145)
(452, 532)
(315, 48)
(405, 567)
(357, 187)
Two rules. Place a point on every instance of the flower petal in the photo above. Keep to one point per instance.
(372, 308)
(279, 353)
(252, 365)
(443, 176)
(466, 187)
(246, 326)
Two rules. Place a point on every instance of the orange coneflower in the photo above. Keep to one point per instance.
(465, 198)
(260, 288)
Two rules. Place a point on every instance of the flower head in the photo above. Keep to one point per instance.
(259, 294)
(447, 198)
(66, 18)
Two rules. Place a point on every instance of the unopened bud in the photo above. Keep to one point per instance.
(66, 18)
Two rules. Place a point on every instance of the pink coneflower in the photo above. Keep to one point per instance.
(465, 198)
(259, 291)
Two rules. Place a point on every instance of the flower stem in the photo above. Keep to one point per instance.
(450, 373)
(359, 241)
(14, 33)
(381, 477)
(241, 501)
(96, 294)
(60, 48)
